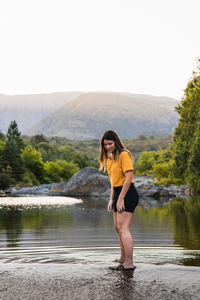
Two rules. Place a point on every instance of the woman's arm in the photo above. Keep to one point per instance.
(110, 204)
(125, 188)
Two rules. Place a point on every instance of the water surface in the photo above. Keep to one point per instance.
(69, 230)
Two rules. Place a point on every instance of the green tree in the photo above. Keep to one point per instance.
(52, 172)
(2, 136)
(6, 178)
(67, 153)
(146, 161)
(59, 170)
(48, 152)
(2, 145)
(12, 151)
(161, 170)
(187, 133)
(39, 138)
(29, 179)
(193, 176)
(81, 161)
(33, 161)
(67, 168)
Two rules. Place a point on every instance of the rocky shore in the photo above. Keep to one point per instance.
(89, 182)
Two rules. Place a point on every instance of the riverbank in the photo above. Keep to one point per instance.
(89, 182)
(96, 281)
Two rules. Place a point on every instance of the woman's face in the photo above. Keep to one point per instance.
(109, 145)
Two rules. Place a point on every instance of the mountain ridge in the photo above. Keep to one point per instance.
(28, 109)
(89, 114)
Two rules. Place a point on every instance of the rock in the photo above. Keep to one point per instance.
(141, 180)
(88, 182)
(145, 186)
(184, 190)
(54, 189)
(163, 193)
(2, 192)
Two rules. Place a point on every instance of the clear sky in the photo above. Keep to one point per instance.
(136, 46)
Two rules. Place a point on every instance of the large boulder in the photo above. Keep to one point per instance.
(88, 182)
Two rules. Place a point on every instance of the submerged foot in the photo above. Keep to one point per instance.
(116, 268)
(122, 268)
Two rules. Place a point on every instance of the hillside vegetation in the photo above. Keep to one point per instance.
(136, 146)
(90, 114)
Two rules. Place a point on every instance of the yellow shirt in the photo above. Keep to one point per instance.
(116, 169)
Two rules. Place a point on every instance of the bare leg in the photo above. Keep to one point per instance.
(122, 257)
(123, 224)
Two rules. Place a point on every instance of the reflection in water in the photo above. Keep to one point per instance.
(186, 215)
(192, 260)
(52, 228)
(184, 218)
(10, 219)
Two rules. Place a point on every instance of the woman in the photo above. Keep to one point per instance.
(118, 162)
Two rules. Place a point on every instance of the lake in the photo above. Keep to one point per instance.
(72, 230)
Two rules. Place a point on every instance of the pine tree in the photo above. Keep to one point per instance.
(12, 151)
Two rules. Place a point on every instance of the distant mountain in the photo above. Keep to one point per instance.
(90, 114)
(27, 110)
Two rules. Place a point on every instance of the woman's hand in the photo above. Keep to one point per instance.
(110, 206)
(120, 205)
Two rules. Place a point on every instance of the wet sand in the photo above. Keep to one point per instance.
(96, 281)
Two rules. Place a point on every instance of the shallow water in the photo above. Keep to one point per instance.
(69, 230)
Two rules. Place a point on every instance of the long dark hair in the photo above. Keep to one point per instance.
(119, 147)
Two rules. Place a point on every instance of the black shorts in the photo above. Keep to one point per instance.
(131, 199)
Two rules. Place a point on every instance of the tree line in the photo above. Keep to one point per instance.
(36, 162)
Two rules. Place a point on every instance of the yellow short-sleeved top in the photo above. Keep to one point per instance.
(116, 169)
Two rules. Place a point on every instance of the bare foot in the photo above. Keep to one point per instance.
(120, 260)
(128, 266)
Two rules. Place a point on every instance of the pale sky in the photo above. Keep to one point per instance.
(136, 46)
